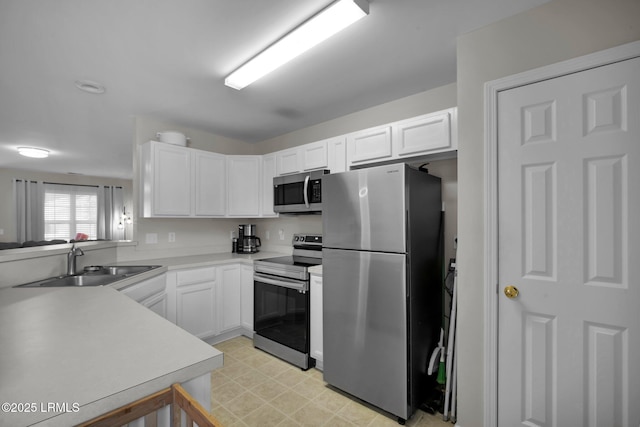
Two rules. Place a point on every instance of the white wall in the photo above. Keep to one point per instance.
(556, 31)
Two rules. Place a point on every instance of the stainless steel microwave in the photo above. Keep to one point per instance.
(298, 193)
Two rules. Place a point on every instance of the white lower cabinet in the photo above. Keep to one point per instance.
(158, 304)
(246, 298)
(152, 293)
(196, 301)
(210, 302)
(229, 298)
(316, 344)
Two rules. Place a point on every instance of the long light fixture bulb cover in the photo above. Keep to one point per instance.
(320, 27)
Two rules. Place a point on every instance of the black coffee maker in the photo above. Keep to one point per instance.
(248, 243)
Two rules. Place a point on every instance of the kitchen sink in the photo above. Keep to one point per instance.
(119, 270)
(92, 276)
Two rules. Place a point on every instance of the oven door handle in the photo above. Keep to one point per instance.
(285, 283)
(306, 191)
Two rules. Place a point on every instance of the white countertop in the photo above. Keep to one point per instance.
(91, 349)
(316, 269)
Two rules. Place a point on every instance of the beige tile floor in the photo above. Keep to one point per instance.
(254, 388)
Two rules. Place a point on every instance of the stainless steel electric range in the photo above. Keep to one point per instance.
(281, 301)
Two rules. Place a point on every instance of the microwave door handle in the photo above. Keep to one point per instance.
(306, 191)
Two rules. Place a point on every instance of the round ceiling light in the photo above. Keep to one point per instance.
(38, 153)
(89, 86)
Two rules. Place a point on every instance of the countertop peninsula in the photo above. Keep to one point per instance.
(72, 354)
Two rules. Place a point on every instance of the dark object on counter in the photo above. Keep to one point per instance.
(234, 246)
(248, 243)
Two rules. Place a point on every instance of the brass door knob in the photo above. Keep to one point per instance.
(511, 292)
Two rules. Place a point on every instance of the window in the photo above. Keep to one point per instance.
(69, 210)
(48, 211)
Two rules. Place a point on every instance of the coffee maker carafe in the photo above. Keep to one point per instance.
(248, 243)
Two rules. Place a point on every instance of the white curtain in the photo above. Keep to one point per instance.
(29, 199)
(29, 203)
(110, 211)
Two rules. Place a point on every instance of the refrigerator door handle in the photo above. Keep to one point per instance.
(306, 190)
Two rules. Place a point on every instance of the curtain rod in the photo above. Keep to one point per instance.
(63, 183)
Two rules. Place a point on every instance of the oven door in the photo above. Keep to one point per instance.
(281, 311)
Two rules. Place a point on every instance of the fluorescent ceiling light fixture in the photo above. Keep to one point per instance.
(38, 153)
(336, 17)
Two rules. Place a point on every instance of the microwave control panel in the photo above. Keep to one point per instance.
(315, 195)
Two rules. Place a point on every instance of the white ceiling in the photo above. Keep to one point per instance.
(167, 59)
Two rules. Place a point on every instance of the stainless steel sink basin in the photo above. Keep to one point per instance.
(119, 270)
(93, 276)
(81, 280)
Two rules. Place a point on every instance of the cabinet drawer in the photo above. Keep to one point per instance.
(198, 275)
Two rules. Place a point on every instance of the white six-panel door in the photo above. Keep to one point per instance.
(569, 242)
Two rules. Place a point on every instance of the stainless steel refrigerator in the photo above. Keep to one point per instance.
(382, 272)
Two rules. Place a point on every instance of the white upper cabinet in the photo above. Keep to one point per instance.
(337, 154)
(369, 145)
(268, 172)
(425, 134)
(420, 136)
(166, 179)
(210, 183)
(244, 178)
(181, 182)
(288, 161)
(303, 158)
(314, 156)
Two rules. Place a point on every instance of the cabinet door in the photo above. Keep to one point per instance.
(423, 134)
(195, 309)
(314, 155)
(145, 289)
(158, 304)
(229, 297)
(369, 145)
(210, 183)
(316, 344)
(243, 178)
(268, 172)
(288, 161)
(195, 301)
(171, 180)
(337, 154)
(246, 298)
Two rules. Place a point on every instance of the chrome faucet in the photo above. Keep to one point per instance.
(71, 259)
